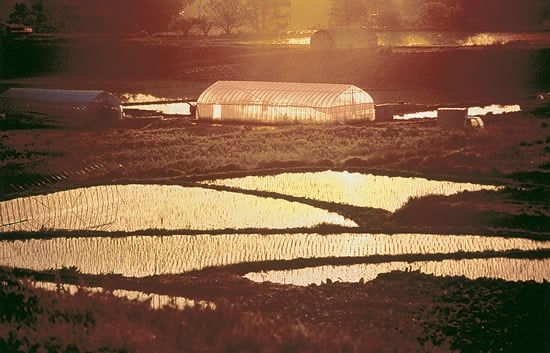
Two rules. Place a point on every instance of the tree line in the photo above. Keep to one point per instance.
(269, 16)
(441, 14)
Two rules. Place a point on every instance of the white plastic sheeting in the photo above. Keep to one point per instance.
(76, 106)
(284, 102)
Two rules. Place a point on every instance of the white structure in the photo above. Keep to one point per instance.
(63, 107)
(275, 102)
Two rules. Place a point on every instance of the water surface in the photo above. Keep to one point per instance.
(497, 268)
(156, 301)
(140, 207)
(475, 111)
(139, 256)
(356, 189)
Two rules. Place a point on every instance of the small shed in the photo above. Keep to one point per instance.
(280, 102)
(452, 117)
(343, 38)
(63, 107)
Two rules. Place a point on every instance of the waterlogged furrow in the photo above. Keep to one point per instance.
(362, 190)
(156, 301)
(139, 256)
(498, 268)
(140, 207)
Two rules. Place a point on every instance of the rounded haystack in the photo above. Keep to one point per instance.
(278, 102)
(341, 38)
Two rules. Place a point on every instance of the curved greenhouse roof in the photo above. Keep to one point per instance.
(284, 101)
(79, 107)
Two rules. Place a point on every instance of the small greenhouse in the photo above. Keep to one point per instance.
(342, 38)
(62, 107)
(280, 102)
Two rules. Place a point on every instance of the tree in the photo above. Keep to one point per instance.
(204, 24)
(269, 15)
(349, 12)
(434, 15)
(183, 24)
(21, 14)
(39, 17)
(385, 13)
(227, 14)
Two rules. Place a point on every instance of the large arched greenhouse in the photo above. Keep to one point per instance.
(274, 102)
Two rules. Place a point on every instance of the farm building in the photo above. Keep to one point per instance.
(62, 107)
(275, 102)
(342, 38)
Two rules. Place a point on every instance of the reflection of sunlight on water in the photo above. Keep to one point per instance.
(418, 115)
(414, 40)
(139, 256)
(140, 98)
(139, 207)
(157, 301)
(362, 190)
(494, 109)
(297, 41)
(169, 108)
(483, 39)
(497, 268)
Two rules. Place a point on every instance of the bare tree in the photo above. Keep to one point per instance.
(227, 14)
(349, 12)
(269, 15)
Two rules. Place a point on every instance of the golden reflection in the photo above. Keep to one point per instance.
(164, 108)
(139, 256)
(363, 190)
(493, 109)
(156, 301)
(496, 268)
(139, 207)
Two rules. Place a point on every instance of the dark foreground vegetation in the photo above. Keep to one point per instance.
(397, 312)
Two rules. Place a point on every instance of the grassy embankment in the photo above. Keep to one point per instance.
(398, 312)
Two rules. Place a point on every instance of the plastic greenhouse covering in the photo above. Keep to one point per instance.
(284, 102)
(75, 106)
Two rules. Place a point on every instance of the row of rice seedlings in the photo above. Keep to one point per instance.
(362, 190)
(156, 301)
(72, 209)
(139, 207)
(140, 256)
(496, 268)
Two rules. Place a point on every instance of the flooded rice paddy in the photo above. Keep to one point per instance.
(356, 189)
(140, 256)
(433, 38)
(139, 207)
(475, 111)
(508, 269)
(156, 301)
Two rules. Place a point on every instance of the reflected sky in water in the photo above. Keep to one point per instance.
(497, 268)
(139, 256)
(163, 108)
(156, 301)
(477, 111)
(363, 190)
(140, 207)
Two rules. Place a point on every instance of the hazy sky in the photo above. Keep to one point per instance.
(309, 13)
